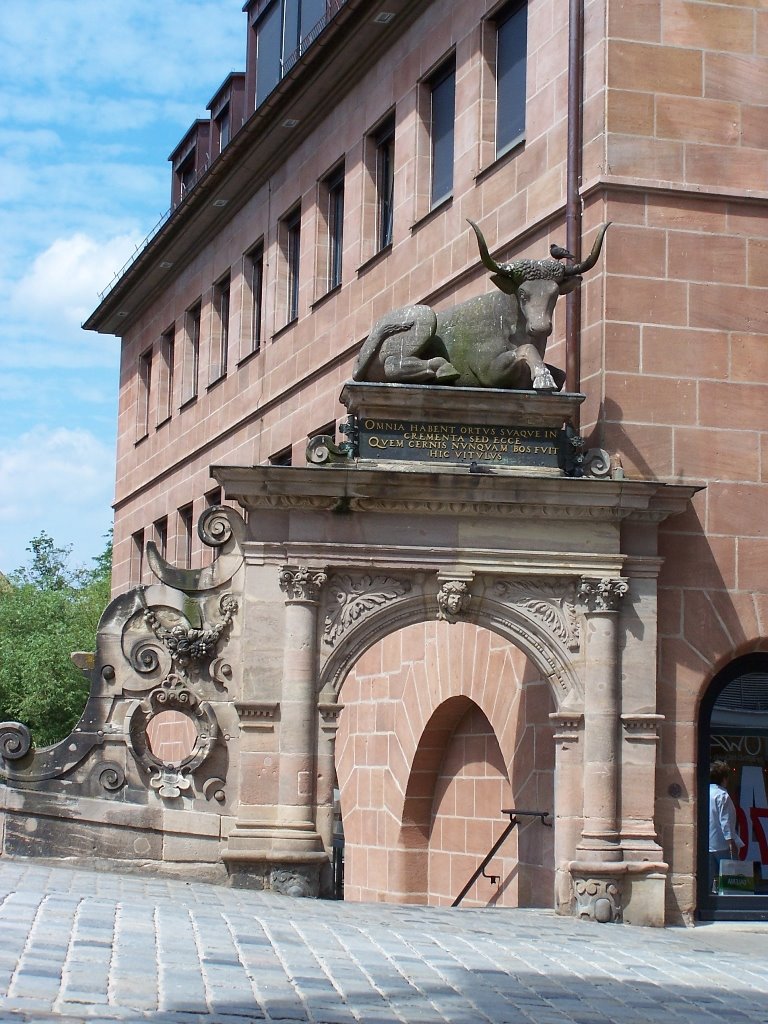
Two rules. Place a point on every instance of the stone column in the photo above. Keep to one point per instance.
(569, 801)
(600, 838)
(298, 701)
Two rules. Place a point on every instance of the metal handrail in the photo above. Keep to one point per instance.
(514, 814)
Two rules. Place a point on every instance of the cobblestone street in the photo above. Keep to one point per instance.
(81, 945)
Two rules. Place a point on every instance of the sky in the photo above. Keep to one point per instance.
(94, 95)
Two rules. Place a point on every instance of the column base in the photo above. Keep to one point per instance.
(600, 846)
(631, 891)
(284, 858)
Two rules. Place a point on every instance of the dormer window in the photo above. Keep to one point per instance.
(186, 174)
(223, 128)
(227, 109)
(189, 160)
(280, 33)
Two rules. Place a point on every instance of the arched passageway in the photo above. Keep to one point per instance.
(443, 726)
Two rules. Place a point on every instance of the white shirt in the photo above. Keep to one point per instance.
(722, 819)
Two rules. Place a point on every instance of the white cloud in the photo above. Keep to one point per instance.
(60, 481)
(144, 47)
(63, 282)
(93, 97)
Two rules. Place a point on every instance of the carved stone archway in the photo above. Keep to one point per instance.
(255, 648)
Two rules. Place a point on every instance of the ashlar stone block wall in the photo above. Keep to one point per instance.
(444, 726)
(675, 359)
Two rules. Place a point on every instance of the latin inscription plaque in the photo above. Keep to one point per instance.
(414, 441)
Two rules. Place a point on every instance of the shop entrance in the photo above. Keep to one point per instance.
(733, 727)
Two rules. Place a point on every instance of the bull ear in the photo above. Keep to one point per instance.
(504, 283)
(569, 283)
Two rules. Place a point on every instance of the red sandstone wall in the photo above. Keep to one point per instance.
(442, 727)
(676, 343)
(291, 388)
(675, 334)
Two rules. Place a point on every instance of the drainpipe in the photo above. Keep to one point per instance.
(572, 198)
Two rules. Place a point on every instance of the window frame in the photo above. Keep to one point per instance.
(384, 179)
(186, 515)
(499, 19)
(166, 376)
(193, 320)
(160, 529)
(144, 393)
(443, 76)
(330, 230)
(289, 234)
(221, 308)
(137, 557)
(253, 300)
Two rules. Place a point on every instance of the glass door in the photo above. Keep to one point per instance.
(733, 727)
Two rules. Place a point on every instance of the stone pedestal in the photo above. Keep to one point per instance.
(490, 428)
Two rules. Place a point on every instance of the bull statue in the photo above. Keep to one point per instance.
(495, 340)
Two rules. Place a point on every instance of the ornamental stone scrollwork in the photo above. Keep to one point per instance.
(15, 741)
(602, 594)
(453, 599)
(111, 776)
(598, 899)
(295, 881)
(301, 583)
(322, 449)
(355, 597)
(184, 643)
(170, 780)
(551, 603)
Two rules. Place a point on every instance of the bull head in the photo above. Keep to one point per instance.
(538, 283)
(506, 274)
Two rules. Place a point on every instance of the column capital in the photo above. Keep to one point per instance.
(301, 583)
(602, 593)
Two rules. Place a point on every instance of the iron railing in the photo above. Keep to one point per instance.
(514, 814)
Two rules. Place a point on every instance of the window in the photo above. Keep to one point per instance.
(282, 458)
(511, 48)
(442, 86)
(385, 182)
(282, 33)
(220, 329)
(332, 209)
(184, 550)
(300, 17)
(165, 383)
(137, 557)
(161, 535)
(253, 298)
(223, 127)
(144, 394)
(290, 244)
(186, 174)
(268, 57)
(191, 353)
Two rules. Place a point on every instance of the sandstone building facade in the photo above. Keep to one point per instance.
(332, 183)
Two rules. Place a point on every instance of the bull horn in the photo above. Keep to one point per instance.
(581, 268)
(485, 256)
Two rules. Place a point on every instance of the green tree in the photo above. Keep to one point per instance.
(48, 611)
